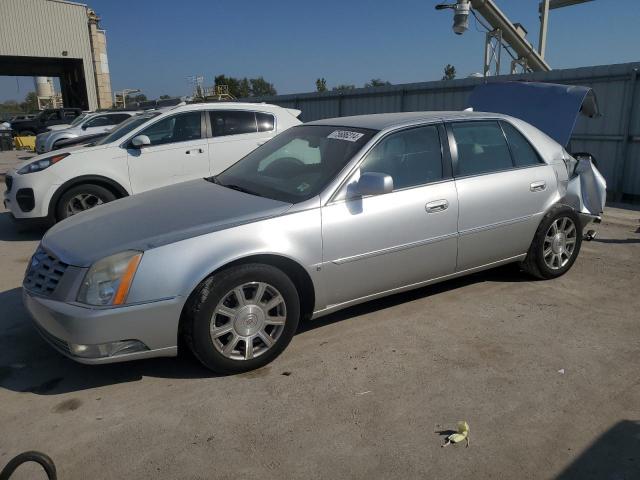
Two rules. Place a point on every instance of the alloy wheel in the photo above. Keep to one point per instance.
(82, 202)
(559, 243)
(248, 321)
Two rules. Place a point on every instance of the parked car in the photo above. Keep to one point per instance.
(46, 118)
(147, 151)
(326, 215)
(86, 140)
(83, 125)
(27, 116)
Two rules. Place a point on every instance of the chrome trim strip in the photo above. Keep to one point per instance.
(332, 308)
(491, 226)
(396, 248)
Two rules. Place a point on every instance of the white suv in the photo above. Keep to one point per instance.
(85, 124)
(147, 151)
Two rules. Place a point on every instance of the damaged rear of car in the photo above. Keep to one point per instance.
(554, 109)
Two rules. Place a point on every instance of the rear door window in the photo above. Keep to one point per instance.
(482, 148)
(232, 122)
(523, 153)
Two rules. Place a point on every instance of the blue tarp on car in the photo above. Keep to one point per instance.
(550, 107)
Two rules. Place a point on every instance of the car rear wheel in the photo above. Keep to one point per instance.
(80, 198)
(241, 318)
(556, 244)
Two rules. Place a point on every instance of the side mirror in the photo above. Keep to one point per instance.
(84, 127)
(140, 141)
(373, 183)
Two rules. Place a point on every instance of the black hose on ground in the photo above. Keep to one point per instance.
(38, 457)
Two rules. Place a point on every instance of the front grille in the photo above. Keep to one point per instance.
(8, 181)
(53, 340)
(44, 273)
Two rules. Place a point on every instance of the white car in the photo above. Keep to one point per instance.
(147, 151)
(85, 124)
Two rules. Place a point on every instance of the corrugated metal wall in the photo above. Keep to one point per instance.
(46, 28)
(613, 138)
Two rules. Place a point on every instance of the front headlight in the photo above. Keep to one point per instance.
(108, 280)
(40, 165)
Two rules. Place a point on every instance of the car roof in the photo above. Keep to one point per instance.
(381, 121)
(224, 105)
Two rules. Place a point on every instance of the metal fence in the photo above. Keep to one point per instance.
(613, 138)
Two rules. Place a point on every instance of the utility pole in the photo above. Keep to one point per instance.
(543, 8)
(502, 32)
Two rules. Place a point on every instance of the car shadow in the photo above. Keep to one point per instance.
(29, 364)
(616, 240)
(10, 232)
(614, 454)
(504, 274)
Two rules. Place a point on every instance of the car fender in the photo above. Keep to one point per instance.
(112, 184)
(178, 268)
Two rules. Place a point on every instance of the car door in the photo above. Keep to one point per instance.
(373, 244)
(503, 188)
(178, 152)
(235, 133)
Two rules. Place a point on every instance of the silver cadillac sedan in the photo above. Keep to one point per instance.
(326, 215)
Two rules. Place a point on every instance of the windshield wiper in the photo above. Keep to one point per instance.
(238, 188)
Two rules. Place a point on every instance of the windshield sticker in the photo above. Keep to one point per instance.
(346, 135)
(302, 187)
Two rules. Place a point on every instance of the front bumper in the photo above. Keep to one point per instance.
(28, 196)
(64, 325)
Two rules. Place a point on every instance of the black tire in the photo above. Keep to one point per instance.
(535, 263)
(200, 308)
(94, 191)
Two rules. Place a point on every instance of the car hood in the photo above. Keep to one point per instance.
(53, 128)
(73, 149)
(155, 218)
(550, 107)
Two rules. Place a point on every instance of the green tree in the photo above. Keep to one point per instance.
(165, 97)
(449, 72)
(321, 85)
(244, 88)
(231, 82)
(376, 82)
(261, 88)
(343, 87)
(30, 103)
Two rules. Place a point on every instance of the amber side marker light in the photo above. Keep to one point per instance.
(127, 279)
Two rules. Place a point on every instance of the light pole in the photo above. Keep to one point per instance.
(543, 8)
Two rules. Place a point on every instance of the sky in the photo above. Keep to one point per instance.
(154, 45)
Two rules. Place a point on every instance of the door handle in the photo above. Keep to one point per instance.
(538, 186)
(195, 150)
(436, 206)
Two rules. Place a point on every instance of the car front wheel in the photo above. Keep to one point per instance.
(241, 318)
(556, 244)
(80, 198)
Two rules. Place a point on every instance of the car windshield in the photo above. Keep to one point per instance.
(297, 164)
(126, 127)
(79, 119)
